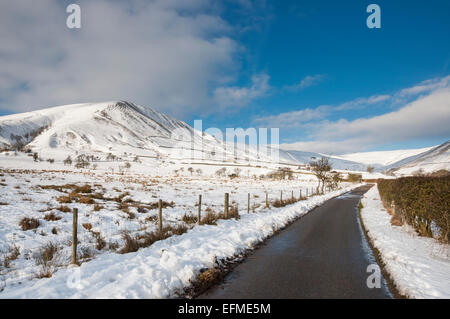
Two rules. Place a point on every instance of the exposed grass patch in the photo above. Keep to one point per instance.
(189, 219)
(151, 218)
(64, 199)
(86, 200)
(282, 203)
(100, 241)
(64, 209)
(62, 188)
(134, 242)
(29, 223)
(98, 207)
(210, 218)
(48, 257)
(207, 279)
(12, 254)
(52, 217)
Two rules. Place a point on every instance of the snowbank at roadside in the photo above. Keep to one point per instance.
(166, 267)
(419, 266)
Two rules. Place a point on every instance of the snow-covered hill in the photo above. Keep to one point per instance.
(435, 159)
(113, 127)
(126, 129)
(383, 158)
(336, 162)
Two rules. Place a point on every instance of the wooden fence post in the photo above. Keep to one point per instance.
(199, 209)
(160, 223)
(74, 235)
(300, 194)
(267, 200)
(292, 195)
(225, 208)
(281, 196)
(248, 204)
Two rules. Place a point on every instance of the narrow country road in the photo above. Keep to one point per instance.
(322, 255)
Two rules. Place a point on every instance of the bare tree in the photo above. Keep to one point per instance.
(321, 168)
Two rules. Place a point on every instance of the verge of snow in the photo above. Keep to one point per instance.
(419, 266)
(165, 268)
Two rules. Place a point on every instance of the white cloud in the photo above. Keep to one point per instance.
(162, 53)
(240, 96)
(426, 117)
(306, 82)
(294, 118)
(298, 118)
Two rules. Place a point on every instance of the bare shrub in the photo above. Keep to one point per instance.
(48, 258)
(210, 218)
(12, 253)
(131, 243)
(100, 241)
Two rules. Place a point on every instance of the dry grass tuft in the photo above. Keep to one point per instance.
(190, 219)
(52, 217)
(98, 207)
(48, 257)
(64, 209)
(12, 254)
(29, 223)
(64, 199)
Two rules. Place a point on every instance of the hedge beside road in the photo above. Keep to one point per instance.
(422, 202)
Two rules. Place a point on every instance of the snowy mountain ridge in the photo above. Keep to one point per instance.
(121, 127)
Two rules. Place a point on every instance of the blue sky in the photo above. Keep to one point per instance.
(311, 68)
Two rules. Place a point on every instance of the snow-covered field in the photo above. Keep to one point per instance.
(125, 202)
(419, 266)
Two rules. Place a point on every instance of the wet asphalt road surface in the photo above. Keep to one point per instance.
(322, 255)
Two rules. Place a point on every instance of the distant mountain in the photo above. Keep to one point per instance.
(114, 127)
(382, 158)
(124, 128)
(399, 162)
(336, 163)
(435, 159)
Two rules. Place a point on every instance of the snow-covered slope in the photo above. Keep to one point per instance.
(123, 128)
(336, 162)
(113, 127)
(382, 158)
(432, 160)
